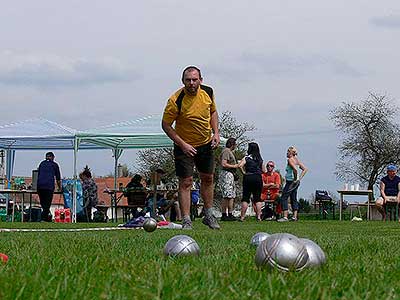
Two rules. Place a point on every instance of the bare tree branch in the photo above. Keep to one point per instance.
(370, 138)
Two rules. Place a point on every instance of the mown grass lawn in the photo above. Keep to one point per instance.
(363, 262)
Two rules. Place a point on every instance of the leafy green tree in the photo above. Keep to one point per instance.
(370, 138)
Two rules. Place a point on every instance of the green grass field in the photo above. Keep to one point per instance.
(362, 263)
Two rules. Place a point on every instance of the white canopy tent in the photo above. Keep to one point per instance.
(39, 133)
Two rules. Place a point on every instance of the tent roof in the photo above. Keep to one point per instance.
(44, 134)
(145, 132)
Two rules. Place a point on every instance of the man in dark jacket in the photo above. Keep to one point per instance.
(48, 171)
(390, 189)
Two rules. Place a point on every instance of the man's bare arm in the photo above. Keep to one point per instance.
(214, 126)
(186, 148)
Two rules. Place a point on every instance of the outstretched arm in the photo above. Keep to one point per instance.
(225, 164)
(241, 165)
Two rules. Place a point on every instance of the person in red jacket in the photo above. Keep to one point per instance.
(271, 187)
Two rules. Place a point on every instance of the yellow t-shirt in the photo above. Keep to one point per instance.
(193, 122)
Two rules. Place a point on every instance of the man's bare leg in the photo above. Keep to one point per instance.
(224, 208)
(207, 189)
(207, 193)
(230, 210)
(185, 184)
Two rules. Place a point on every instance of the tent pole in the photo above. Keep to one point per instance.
(74, 198)
(117, 153)
(10, 159)
(114, 205)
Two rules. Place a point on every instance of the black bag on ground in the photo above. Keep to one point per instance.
(99, 217)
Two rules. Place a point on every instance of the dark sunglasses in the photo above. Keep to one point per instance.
(270, 166)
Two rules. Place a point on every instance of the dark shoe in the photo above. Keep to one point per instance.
(232, 218)
(211, 222)
(224, 217)
(187, 224)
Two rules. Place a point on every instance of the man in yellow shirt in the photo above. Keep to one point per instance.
(195, 135)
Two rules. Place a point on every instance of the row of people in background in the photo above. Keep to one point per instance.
(260, 182)
(166, 200)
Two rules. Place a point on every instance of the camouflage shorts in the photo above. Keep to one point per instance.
(227, 184)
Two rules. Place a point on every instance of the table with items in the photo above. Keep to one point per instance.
(368, 193)
(21, 192)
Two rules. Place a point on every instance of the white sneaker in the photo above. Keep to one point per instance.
(284, 219)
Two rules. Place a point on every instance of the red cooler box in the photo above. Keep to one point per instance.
(62, 215)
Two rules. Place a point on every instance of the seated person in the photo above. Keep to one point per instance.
(165, 201)
(171, 204)
(136, 184)
(137, 181)
(271, 186)
(390, 189)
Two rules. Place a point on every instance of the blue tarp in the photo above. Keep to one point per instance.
(67, 189)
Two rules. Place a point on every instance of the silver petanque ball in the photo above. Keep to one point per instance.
(316, 256)
(181, 245)
(258, 238)
(283, 251)
(150, 224)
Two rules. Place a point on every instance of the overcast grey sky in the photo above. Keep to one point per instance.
(281, 65)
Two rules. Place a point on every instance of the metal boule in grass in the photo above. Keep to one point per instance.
(316, 256)
(258, 238)
(150, 224)
(181, 245)
(282, 251)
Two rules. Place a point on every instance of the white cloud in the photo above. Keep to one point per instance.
(52, 70)
(291, 64)
(284, 65)
(391, 21)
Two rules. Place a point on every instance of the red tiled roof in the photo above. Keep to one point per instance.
(108, 182)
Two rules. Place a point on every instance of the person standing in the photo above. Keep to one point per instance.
(227, 179)
(195, 136)
(89, 189)
(252, 167)
(48, 171)
(292, 184)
